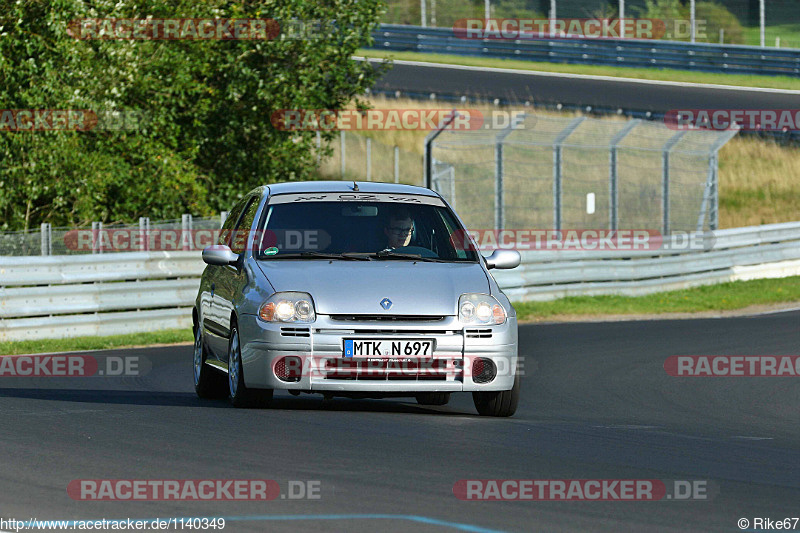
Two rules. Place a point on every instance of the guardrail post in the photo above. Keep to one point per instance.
(369, 159)
(557, 145)
(613, 188)
(319, 148)
(397, 164)
(100, 237)
(186, 232)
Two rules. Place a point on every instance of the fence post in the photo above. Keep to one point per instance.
(100, 237)
(186, 232)
(319, 148)
(428, 161)
(95, 237)
(369, 159)
(557, 145)
(499, 197)
(665, 207)
(613, 182)
(144, 233)
(342, 150)
(44, 235)
(397, 164)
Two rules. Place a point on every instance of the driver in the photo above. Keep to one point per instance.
(398, 228)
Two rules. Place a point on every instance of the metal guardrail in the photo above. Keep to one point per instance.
(732, 59)
(69, 296)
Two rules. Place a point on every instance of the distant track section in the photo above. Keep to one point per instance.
(603, 94)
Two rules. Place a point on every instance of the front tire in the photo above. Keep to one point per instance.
(433, 398)
(497, 403)
(208, 383)
(239, 394)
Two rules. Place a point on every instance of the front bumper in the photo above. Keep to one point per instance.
(320, 348)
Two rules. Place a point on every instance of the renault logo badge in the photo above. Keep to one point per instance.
(386, 303)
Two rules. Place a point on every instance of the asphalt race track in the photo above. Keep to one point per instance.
(596, 404)
(551, 89)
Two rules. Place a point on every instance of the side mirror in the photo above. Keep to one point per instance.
(503, 259)
(219, 255)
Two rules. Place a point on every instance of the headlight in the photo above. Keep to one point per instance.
(288, 307)
(476, 309)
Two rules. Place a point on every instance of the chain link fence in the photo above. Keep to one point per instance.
(559, 172)
(361, 158)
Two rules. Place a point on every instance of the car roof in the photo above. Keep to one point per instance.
(346, 186)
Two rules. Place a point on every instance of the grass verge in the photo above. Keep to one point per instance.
(167, 336)
(742, 80)
(721, 297)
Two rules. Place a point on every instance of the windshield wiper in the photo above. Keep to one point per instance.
(317, 255)
(389, 254)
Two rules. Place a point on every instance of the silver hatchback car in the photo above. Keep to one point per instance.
(365, 290)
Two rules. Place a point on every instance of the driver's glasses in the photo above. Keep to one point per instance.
(399, 230)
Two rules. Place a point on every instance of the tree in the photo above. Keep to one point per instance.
(202, 135)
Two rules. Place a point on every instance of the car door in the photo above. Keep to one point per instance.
(214, 322)
(232, 278)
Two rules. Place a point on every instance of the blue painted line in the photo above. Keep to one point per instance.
(411, 518)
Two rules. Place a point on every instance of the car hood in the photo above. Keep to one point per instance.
(354, 287)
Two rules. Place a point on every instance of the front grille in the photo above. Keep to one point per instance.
(384, 331)
(479, 333)
(387, 318)
(383, 370)
(295, 332)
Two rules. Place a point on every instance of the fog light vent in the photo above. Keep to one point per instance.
(289, 369)
(483, 370)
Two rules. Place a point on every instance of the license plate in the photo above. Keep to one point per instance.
(388, 348)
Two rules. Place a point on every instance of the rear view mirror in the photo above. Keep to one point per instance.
(503, 259)
(359, 211)
(219, 255)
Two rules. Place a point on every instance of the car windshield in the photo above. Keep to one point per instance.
(372, 230)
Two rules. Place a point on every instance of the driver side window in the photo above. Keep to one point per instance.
(230, 222)
(242, 233)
